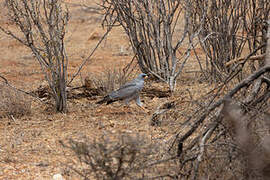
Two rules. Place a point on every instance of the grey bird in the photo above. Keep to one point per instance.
(128, 92)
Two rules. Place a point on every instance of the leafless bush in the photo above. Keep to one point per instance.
(152, 29)
(230, 142)
(41, 26)
(222, 143)
(13, 103)
(115, 157)
(256, 24)
(234, 25)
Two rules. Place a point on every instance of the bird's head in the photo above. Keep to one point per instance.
(142, 76)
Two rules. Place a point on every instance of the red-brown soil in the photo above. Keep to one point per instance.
(29, 145)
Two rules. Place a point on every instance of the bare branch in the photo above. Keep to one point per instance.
(13, 87)
(257, 57)
(93, 51)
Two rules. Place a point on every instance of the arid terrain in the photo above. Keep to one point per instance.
(29, 145)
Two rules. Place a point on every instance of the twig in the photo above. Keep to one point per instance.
(202, 148)
(17, 89)
(12, 117)
(163, 176)
(128, 66)
(254, 92)
(266, 80)
(158, 162)
(258, 57)
(93, 51)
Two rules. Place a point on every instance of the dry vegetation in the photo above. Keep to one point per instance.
(13, 104)
(201, 130)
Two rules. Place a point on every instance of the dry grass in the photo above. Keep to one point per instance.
(107, 81)
(13, 103)
(114, 156)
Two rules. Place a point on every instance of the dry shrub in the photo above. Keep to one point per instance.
(230, 143)
(41, 27)
(123, 156)
(152, 28)
(239, 147)
(232, 28)
(13, 103)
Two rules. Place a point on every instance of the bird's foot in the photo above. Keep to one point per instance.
(144, 109)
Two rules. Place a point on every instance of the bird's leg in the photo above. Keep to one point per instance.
(145, 110)
(126, 106)
(139, 104)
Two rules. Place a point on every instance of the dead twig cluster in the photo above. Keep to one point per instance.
(116, 157)
(235, 130)
(234, 25)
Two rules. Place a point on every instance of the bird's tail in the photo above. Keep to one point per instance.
(104, 100)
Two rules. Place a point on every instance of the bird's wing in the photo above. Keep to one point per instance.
(127, 85)
(126, 91)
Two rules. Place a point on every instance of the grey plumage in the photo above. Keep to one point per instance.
(128, 92)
